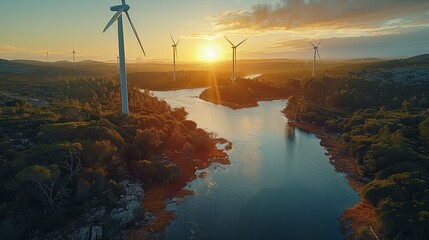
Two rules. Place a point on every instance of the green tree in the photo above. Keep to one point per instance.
(405, 105)
(397, 138)
(424, 129)
(292, 106)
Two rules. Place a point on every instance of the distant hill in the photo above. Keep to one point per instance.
(298, 68)
(423, 57)
(360, 60)
(16, 68)
(416, 61)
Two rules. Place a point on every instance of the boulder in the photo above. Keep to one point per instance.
(96, 233)
(133, 189)
(87, 233)
(99, 214)
(81, 234)
(128, 212)
(129, 205)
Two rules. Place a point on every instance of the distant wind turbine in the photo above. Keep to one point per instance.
(47, 56)
(234, 56)
(316, 50)
(175, 55)
(74, 62)
(117, 63)
(120, 9)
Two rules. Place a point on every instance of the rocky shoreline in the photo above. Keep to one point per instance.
(99, 221)
(138, 213)
(362, 214)
(158, 195)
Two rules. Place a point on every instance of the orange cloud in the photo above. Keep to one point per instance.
(328, 14)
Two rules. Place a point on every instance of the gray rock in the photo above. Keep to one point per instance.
(128, 213)
(129, 205)
(133, 189)
(96, 233)
(99, 214)
(81, 234)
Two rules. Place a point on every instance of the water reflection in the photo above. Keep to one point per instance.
(289, 132)
(280, 184)
(250, 158)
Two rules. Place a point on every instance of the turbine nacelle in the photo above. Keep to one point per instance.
(123, 7)
(174, 42)
(120, 9)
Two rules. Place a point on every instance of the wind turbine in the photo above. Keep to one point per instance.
(316, 50)
(120, 9)
(74, 62)
(234, 56)
(117, 63)
(47, 56)
(175, 55)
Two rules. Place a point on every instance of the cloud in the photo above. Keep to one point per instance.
(203, 36)
(5, 49)
(327, 14)
(408, 43)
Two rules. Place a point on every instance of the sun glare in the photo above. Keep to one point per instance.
(210, 52)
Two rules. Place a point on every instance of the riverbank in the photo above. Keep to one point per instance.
(361, 216)
(158, 195)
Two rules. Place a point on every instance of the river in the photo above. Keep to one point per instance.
(280, 184)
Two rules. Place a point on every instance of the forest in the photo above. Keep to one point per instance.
(65, 148)
(385, 126)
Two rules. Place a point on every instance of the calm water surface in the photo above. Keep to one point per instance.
(279, 185)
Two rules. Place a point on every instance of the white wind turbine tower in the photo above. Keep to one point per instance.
(74, 62)
(175, 55)
(234, 56)
(120, 9)
(316, 50)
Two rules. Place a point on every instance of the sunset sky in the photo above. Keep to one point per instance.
(275, 28)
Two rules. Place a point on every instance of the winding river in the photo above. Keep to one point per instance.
(280, 184)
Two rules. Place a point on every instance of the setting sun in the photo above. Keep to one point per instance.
(210, 52)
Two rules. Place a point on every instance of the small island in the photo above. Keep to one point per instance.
(244, 93)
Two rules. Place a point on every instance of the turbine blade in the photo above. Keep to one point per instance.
(319, 43)
(241, 42)
(317, 50)
(135, 32)
(312, 44)
(114, 18)
(177, 42)
(229, 41)
(172, 39)
(177, 55)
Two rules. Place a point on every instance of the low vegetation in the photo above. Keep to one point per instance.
(65, 147)
(385, 125)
